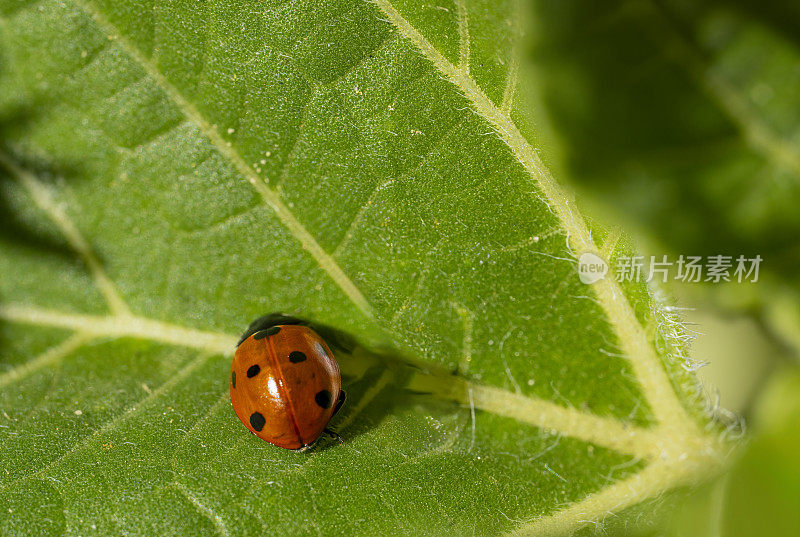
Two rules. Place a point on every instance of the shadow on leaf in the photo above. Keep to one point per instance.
(18, 226)
(378, 382)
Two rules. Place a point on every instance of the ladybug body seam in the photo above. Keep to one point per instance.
(273, 358)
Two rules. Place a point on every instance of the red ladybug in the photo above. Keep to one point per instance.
(285, 382)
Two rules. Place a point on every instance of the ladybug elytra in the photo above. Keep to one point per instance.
(285, 383)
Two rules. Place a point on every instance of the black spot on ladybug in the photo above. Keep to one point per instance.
(233, 378)
(253, 371)
(271, 331)
(257, 421)
(324, 398)
(296, 357)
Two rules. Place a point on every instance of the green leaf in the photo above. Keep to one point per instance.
(683, 117)
(174, 170)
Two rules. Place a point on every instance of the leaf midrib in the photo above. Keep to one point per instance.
(608, 432)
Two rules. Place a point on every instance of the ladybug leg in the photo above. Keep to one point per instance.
(340, 402)
(305, 448)
(333, 434)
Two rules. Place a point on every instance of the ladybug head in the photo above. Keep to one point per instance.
(268, 321)
(333, 337)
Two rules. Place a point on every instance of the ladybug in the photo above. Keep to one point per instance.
(285, 382)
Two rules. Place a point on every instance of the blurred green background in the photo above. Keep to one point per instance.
(680, 120)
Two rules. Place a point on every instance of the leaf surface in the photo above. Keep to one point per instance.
(174, 171)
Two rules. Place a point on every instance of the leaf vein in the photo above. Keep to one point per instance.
(183, 373)
(463, 35)
(512, 77)
(359, 216)
(43, 198)
(649, 369)
(270, 197)
(51, 356)
(216, 519)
